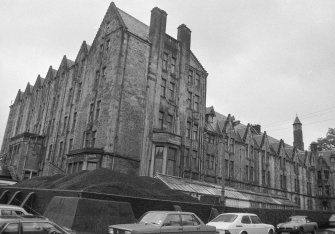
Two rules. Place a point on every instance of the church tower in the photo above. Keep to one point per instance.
(297, 134)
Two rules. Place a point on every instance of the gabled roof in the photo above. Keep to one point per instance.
(51, 73)
(258, 139)
(134, 25)
(196, 62)
(210, 111)
(326, 155)
(28, 89)
(84, 48)
(18, 96)
(39, 82)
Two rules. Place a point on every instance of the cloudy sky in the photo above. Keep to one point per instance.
(267, 60)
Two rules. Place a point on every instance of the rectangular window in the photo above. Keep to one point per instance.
(268, 178)
(69, 98)
(211, 138)
(108, 45)
(93, 138)
(212, 163)
(197, 80)
(172, 89)
(263, 177)
(170, 122)
(194, 163)
(158, 165)
(70, 144)
(207, 161)
(196, 103)
(171, 161)
(90, 117)
(232, 145)
(163, 88)
(97, 110)
(189, 99)
(195, 132)
(101, 47)
(226, 165)
(87, 139)
(188, 129)
(326, 174)
(231, 169)
(252, 174)
(190, 77)
(247, 173)
(60, 151)
(91, 166)
(78, 92)
(160, 120)
(74, 121)
(104, 72)
(187, 158)
(327, 190)
(173, 65)
(50, 151)
(64, 124)
(96, 80)
(165, 61)
(319, 175)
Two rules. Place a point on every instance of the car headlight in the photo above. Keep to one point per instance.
(278, 226)
(295, 227)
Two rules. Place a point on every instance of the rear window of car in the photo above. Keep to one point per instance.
(227, 218)
(255, 219)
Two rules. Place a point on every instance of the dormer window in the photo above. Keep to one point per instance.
(108, 25)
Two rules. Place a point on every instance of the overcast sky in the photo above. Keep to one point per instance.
(267, 60)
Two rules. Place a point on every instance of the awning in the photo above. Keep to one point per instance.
(237, 198)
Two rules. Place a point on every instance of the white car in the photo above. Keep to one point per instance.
(240, 223)
(12, 210)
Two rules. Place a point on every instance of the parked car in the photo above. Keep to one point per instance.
(240, 223)
(12, 210)
(297, 224)
(331, 221)
(30, 224)
(165, 222)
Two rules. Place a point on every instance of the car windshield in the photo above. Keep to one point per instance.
(153, 217)
(227, 218)
(297, 219)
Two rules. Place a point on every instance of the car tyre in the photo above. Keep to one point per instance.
(314, 231)
(270, 231)
(301, 231)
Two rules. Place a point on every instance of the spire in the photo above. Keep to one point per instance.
(296, 121)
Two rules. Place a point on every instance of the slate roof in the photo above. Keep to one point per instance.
(326, 155)
(134, 25)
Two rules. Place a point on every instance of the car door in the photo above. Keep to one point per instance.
(192, 225)
(258, 226)
(247, 225)
(172, 224)
(11, 228)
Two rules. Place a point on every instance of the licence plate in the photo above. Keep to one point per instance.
(285, 233)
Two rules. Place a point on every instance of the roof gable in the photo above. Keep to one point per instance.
(194, 62)
(18, 96)
(83, 51)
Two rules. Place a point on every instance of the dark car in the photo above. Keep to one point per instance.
(165, 222)
(297, 224)
(30, 224)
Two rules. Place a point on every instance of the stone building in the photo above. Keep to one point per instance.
(135, 102)
(326, 180)
(132, 102)
(251, 160)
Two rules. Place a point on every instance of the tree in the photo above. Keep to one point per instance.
(328, 142)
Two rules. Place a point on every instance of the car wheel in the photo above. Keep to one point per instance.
(301, 231)
(244, 233)
(270, 231)
(314, 231)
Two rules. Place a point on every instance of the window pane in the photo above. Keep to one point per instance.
(12, 228)
(158, 166)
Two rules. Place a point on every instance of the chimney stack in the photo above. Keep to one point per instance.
(184, 36)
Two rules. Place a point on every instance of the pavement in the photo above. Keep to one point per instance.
(326, 231)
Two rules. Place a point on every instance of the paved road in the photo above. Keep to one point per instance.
(326, 231)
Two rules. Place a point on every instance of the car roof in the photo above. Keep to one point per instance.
(5, 206)
(169, 212)
(239, 213)
(23, 218)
